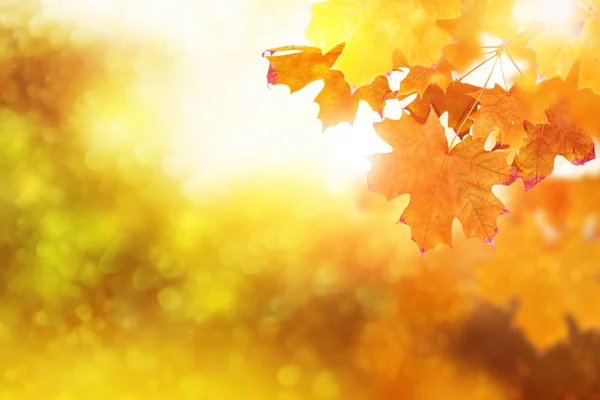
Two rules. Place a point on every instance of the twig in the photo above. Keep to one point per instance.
(477, 66)
(475, 103)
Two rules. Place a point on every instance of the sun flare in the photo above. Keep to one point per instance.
(346, 147)
(557, 13)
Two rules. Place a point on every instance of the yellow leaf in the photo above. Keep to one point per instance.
(373, 29)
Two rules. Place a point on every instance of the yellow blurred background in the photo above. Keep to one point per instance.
(173, 228)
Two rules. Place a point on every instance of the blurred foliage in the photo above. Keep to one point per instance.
(124, 278)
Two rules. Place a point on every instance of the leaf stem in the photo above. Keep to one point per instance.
(477, 66)
(503, 76)
(475, 103)
(489, 52)
(514, 63)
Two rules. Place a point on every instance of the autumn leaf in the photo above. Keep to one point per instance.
(443, 183)
(301, 65)
(492, 18)
(457, 102)
(577, 39)
(559, 47)
(532, 115)
(563, 134)
(573, 141)
(556, 52)
(374, 94)
(535, 161)
(420, 77)
(589, 43)
(374, 29)
(467, 29)
(505, 111)
(435, 86)
(585, 104)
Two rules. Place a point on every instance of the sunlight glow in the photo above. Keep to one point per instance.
(347, 146)
(224, 124)
(503, 71)
(556, 13)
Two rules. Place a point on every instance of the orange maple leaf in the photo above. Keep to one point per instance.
(443, 183)
(535, 160)
(301, 65)
(505, 111)
(420, 77)
(457, 102)
(563, 135)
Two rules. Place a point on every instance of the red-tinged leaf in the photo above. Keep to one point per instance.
(300, 66)
(572, 142)
(564, 134)
(374, 94)
(337, 102)
(544, 142)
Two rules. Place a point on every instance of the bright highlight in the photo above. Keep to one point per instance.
(557, 13)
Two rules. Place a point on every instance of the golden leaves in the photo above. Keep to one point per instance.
(538, 111)
(374, 29)
(443, 183)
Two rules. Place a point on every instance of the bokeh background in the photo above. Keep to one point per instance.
(173, 228)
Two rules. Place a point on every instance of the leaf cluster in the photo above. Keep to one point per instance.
(543, 110)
